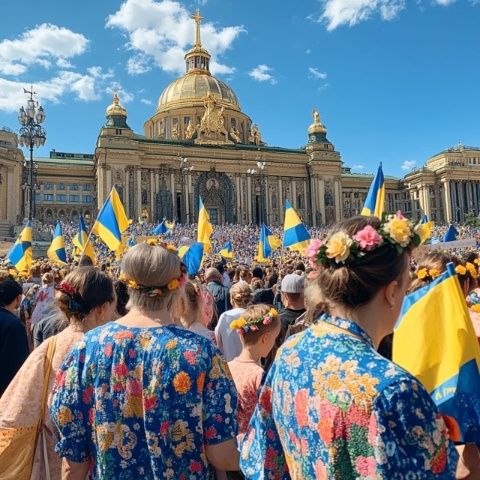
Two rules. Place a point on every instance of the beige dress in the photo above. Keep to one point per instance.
(21, 402)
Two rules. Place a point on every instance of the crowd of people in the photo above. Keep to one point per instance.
(132, 368)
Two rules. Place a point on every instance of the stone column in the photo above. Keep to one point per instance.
(338, 200)
(448, 202)
(11, 213)
(138, 209)
(187, 198)
(174, 199)
(100, 185)
(152, 196)
(108, 180)
(127, 191)
(294, 193)
(321, 200)
(249, 198)
(281, 206)
(239, 201)
(266, 200)
(313, 194)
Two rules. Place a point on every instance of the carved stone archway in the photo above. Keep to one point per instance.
(218, 194)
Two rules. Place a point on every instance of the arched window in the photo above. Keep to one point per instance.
(300, 202)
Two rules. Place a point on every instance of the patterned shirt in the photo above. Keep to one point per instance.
(143, 402)
(332, 407)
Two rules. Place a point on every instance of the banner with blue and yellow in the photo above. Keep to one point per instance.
(21, 253)
(435, 341)
(111, 222)
(375, 201)
(56, 251)
(205, 228)
(295, 234)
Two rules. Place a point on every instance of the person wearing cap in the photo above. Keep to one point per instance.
(13, 338)
(214, 282)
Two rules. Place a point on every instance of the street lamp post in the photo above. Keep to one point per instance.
(31, 134)
(261, 174)
(186, 168)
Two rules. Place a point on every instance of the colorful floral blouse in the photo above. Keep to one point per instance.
(333, 408)
(143, 402)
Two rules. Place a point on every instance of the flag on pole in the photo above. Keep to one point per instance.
(227, 251)
(435, 341)
(82, 243)
(56, 252)
(451, 234)
(169, 225)
(160, 229)
(375, 201)
(191, 256)
(205, 228)
(295, 234)
(111, 222)
(267, 242)
(21, 253)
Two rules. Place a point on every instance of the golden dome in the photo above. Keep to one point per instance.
(191, 89)
(317, 126)
(115, 108)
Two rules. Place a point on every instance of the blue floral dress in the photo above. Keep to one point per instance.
(143, 402)
(333, 408)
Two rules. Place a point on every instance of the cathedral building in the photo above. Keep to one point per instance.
(199, 143)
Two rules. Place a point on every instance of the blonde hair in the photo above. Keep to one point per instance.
(151, 266)
(241, 294)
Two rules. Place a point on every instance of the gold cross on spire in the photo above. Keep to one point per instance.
(198, 18)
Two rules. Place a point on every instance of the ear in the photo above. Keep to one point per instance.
(391, 293)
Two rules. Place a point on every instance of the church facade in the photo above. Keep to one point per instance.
(200, 144)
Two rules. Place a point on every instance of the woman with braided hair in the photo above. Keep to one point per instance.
(87, 299)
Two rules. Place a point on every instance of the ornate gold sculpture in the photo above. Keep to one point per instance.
(175, 133)
(316, 117)
(212, 125)
(189, 131)
(235, 135)
(255, 135)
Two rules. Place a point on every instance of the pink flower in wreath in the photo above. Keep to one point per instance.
(313, 248)
(365, 466)
(368, 238)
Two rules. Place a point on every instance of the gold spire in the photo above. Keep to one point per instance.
(197, 18)
(115, 108)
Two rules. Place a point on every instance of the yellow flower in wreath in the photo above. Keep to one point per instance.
(399, 230)
(338, 247)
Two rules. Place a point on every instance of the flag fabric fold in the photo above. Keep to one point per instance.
(205, 228)
(435, 341)
(267, 242)
(450, 234)
(295, 234)
(56, 252)
(82, 243)
(21, 253)
(375, 201)
(161, 228)
(191, 256)
(111, 222)
(227, 251)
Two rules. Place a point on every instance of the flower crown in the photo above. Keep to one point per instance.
(342, 249)
(468, 268)
(427, 273)
(155, 242)
(153, 291)
(251, 325)
(75, 302)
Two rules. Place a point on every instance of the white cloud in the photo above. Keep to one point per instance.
(125, 97)
(262, 73)
(358, 167)
(316, 74)
(163, 31)
(351, 12)
(444, 3)
(146, 101)
(85, 87)
(408, 164)
(44, 44)
(138, 64)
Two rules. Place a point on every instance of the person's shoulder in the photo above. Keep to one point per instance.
(9, 321)
(189, 339)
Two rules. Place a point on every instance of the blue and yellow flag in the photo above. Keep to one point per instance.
(435, 341)
(205, 228)
(111, 221)
(82, 243)
(56, 251)
(21, 253)
(227, 251)
(169, 225)
(266, 244)
(295, 234)
(191, 256)
(375, 201)
(450, 234)
(160, 229)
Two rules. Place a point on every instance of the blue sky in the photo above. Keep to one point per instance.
(394, 80)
